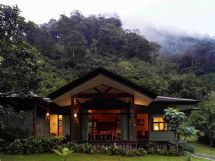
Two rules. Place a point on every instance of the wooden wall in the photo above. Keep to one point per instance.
(24, 125)
(42, 126)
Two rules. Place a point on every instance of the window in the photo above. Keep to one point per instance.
(60, 125)
(56, 125)
(159, 124)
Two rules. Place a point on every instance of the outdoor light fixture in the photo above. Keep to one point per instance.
(47, 114)
(75, 115)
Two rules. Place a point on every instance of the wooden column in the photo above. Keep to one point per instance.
(66, 125)
(132, 122)
(84, 125)
(75, 128)
(72, 119)
(149, 125)
(125, 127)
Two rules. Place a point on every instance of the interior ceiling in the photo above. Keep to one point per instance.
(102, 90)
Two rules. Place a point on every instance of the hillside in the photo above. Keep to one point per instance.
(181, 66)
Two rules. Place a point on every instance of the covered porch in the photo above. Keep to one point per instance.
(104, 113)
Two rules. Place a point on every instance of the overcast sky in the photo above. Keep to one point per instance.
(192, 16)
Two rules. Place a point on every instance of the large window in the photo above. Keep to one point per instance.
(159, 124)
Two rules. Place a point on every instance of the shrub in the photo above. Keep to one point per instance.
(151, 148)
(112, 150)
(46, 144)
(86, 148)
(133, 153)
(189, 157)
(33, 145)
(65, 152)
(142, 151)
(163, 149)
(72, 145)
(121, 151)
(115, 150)
(187, 147)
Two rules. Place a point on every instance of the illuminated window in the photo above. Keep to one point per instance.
(159, 124)
(60, 125)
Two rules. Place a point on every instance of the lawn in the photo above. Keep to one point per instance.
(201, 148)
(92, 157)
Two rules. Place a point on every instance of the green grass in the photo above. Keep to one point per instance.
(92, 157)
(201, 148)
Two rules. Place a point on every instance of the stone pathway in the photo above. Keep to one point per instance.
(204, 156)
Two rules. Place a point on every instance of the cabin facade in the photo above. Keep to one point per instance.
(101, 107)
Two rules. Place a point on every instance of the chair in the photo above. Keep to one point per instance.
(93, 133)
(114, 134)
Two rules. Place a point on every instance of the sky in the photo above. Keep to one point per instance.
(190, 16)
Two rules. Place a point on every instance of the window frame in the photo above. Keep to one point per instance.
(159, 124)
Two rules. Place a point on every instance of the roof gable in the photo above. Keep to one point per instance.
(104, 72)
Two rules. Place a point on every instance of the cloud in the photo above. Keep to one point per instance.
(192, 15)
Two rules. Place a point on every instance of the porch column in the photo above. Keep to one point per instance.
(124, 124)
(149, 125)
(72, 119)
(84, 125)
(66, 125)
(75, 120)
(132, 122)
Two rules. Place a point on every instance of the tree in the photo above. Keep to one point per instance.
(176, 121)
(187, 86)
(204, 119)
(19, 61)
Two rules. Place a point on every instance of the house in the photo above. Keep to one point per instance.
(102, 106)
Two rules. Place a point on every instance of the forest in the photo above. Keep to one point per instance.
(75, 44)
(65, 48)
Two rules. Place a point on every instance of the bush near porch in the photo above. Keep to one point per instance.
(34, 145)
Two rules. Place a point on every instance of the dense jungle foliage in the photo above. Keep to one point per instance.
(73, 45)
(76, 44)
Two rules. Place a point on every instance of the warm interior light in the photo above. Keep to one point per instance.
(75, 115)
(60, 117)
(156, 127)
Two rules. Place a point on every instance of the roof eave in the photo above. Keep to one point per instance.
(104, 72)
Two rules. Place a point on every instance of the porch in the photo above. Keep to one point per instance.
(104, 113)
